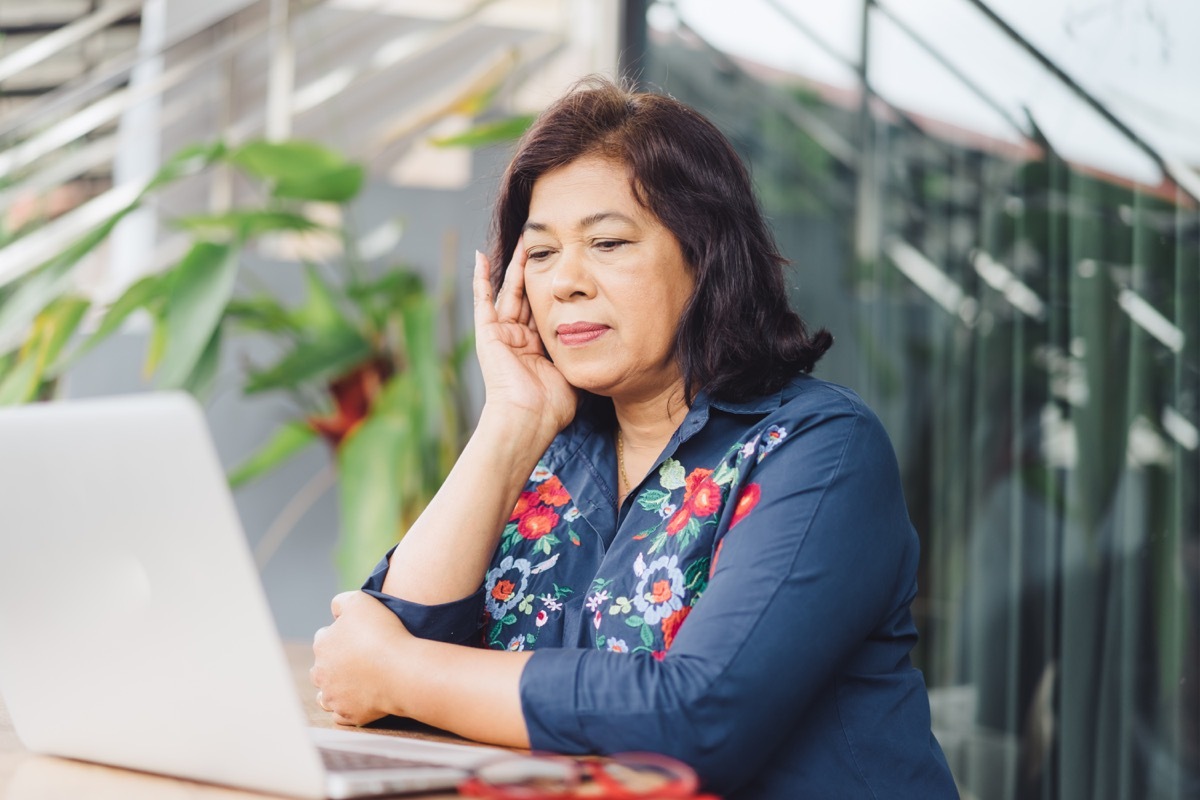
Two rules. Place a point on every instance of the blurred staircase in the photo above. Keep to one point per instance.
(46, 45)
(88, 85)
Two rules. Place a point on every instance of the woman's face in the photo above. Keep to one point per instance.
(606, 281)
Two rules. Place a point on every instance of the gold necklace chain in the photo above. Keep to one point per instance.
(625, 487)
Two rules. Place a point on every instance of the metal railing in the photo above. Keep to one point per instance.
(72, 131)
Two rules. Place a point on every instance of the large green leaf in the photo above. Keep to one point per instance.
(335, 186)
(188, 161)
(157, 346)
(389, 290)
(56, 325)
(316, 360)
(20, 385)
(51, 279)
(145, 291)
(245, 223)
(261, 313)
(424, 364)
(488, 133)
(369, 480)
(295, 160)
(322, 312)
(52, 329)
(379, 299)
(200, 290)
(204, 374)
(301, 170)
(288, 441)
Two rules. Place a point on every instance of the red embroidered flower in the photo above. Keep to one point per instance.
(692, 481)
(503, 590)
(552, 492)
(537, 522)
(660, 592)
(672, 624)
(747, 500)
(706, 497)
(679, 520)
(701, 497)
(526, 501)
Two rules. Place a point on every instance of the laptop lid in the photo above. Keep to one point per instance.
(133, 628)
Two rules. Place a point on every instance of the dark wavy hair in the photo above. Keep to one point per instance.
(738, 337)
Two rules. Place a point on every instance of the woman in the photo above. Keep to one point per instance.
(677, 539)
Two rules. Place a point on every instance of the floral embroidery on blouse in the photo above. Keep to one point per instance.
(636, 605)
(514, 588)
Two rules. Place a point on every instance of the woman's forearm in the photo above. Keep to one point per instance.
(465, 690)
(445, 553)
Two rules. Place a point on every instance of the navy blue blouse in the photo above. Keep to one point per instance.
(746, 610)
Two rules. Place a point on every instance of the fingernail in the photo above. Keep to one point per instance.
(478, 258)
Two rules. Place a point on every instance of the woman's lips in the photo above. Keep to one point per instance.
(577, 333)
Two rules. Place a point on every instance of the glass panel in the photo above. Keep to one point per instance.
(1013, 278)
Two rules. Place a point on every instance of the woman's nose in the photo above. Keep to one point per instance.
(572, 277)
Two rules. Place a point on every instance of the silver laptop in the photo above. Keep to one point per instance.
(133, 628)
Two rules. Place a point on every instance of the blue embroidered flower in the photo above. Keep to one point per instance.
(773, 436)
(504, 587)
(660, 590)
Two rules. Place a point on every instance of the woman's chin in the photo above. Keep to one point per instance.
(593, 384)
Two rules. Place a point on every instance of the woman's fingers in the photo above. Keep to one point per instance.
(512, 292)
(526, 315)
(341, 601)
(481, 287)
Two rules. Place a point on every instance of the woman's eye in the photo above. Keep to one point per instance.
(537, 255)
(608, 245)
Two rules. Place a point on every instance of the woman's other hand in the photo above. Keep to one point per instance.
(367, 665)
(353, 668)
(518, 376)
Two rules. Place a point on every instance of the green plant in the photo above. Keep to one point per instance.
(361, 355)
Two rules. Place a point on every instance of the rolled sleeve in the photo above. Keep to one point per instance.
(553, 726)
(456, 622)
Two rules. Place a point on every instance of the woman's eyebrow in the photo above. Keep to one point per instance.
(604, 216)
(586, 222)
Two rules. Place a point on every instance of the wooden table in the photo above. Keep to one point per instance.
(25, 776)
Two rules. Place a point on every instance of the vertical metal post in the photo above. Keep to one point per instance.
(631, 46)
(282, 72)
(867, 270)
(866, 233)
(138, 156)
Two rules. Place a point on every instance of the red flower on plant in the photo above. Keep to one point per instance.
(537, 522)
(526, 501)
(353, 395)
(671, 625)
(552, 492)
(503, 590)
(747, 500)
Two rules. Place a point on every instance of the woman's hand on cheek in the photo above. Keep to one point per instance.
(519, 378)
(351, 669)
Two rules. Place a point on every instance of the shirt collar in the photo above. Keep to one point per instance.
(756, 405)
(597, 413)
